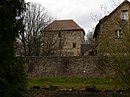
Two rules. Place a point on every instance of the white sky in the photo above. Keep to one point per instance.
(83, 12)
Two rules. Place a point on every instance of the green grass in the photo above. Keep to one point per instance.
(69, 82)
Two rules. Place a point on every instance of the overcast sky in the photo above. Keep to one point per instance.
(83, 12)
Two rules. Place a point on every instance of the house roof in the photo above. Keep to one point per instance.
(97, 29)
(86, 47)
(63, 25)
(106, 17)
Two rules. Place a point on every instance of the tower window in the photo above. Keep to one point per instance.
(74, 45)
(59, 34)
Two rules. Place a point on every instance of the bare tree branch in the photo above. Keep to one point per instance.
(36, 18)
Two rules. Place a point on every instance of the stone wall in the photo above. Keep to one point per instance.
(61, 66)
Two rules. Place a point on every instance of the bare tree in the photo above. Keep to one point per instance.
(105, 10)
(89, 36)
(36, 18)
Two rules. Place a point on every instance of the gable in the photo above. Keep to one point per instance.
(126, 2)
(104, 19)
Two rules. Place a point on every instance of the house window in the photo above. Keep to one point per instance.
(74, 34)
(124, 15)
(118, 34)
(74, 45)
(59, 34)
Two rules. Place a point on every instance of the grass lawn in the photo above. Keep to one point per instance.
(69, 82)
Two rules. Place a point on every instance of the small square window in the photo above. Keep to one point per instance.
(74, 45)
(59, 34)
(118, 34)
(124, 15)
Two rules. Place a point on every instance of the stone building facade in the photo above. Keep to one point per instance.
(65, 36)
(112, 32)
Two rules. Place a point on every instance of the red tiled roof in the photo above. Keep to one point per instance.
(63, 25)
